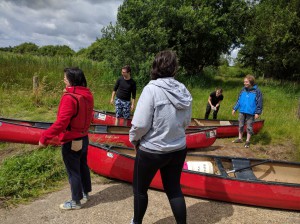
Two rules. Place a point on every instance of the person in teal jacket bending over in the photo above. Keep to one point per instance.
(250, 105)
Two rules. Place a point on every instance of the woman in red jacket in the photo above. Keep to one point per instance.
(71, 126)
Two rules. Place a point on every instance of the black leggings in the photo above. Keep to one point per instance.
(145, 167)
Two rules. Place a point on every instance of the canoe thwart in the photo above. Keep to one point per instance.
(221, 167)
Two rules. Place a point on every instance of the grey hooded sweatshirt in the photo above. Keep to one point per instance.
(162, 114)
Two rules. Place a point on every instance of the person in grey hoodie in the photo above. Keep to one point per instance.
(162, 114)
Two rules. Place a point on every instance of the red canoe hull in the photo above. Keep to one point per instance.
(22, 133)
(223, 131)
(114, 165)
(26, 132)
(198, 139)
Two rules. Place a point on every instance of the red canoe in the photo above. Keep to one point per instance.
(225, 129)
(20, 131)
(267, 183)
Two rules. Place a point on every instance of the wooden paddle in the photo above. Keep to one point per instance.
(247, 167)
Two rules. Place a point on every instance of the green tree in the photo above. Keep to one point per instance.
(64, 50)
(200, 31)
(272, 43)
(26, 47)
(48, 50)
(6, 49)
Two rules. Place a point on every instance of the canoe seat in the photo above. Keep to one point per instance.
(221, 167)
(101, 129)
(42, 125)
(224, 123)
(246, 174)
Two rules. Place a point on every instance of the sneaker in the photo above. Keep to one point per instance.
(247, 144)
(85, 198)
(70, 205)
(238, 141)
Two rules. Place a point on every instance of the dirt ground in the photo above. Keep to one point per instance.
(112, 201)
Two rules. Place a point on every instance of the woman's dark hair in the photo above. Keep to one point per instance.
(75, 76)
(164, 65)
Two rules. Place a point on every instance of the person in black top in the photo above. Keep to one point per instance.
(125, 92)
(214, 101)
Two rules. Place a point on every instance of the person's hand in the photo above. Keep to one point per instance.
(112, 101)
(132, 107)
(256, 116)
(233, 112)
(41, 145)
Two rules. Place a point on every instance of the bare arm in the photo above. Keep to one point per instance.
(132, 104)
(112, 97)
(209, 101)
(218, 104)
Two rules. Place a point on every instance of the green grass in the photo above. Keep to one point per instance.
(28, 175)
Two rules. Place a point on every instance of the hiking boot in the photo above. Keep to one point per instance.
(238, 140)
(85, 198)
(247, 144)
(70, 205)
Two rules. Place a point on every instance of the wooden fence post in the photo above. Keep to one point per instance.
(35, 83)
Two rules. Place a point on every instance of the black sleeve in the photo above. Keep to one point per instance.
(117, 85)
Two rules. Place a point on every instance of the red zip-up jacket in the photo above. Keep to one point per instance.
(74, 116)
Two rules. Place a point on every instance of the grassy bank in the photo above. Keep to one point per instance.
(18, 100)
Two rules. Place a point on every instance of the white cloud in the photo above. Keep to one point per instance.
(55, 22)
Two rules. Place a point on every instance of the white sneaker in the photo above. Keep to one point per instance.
(85, 198)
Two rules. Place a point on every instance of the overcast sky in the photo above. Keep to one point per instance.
(76, 23)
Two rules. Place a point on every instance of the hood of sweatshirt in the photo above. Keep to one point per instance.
(83, 91)
(175, 91)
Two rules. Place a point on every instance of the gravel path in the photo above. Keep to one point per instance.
(113, 203)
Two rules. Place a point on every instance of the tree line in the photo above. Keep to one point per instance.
(201, 32)
(48, 50)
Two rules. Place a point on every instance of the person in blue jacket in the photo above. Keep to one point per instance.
(250, 105)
